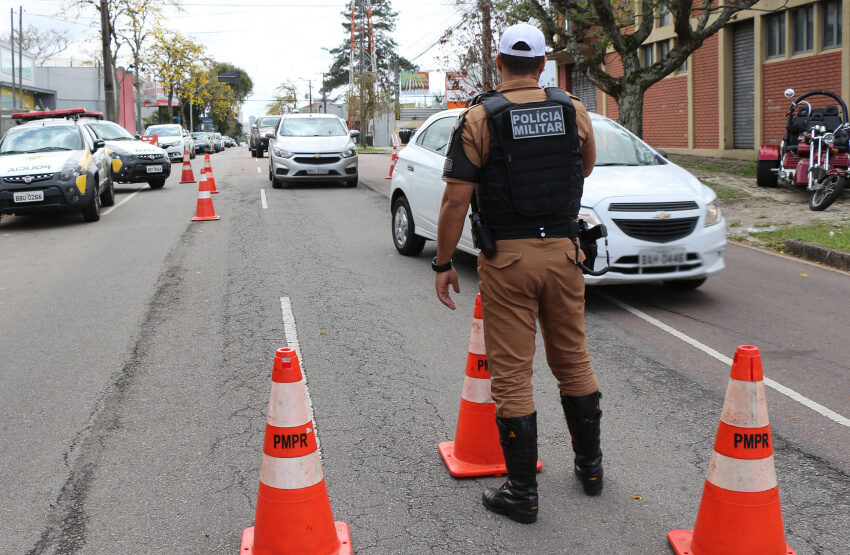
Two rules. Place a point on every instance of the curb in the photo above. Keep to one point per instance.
(818, 253)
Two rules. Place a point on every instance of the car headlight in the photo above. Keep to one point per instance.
(712, 213)
(589, 216)
(281, 153)
(348, 153)
(70, 174)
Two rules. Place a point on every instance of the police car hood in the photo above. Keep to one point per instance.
(133, 147)
(39, 162)
(309, 145)
(662, 180)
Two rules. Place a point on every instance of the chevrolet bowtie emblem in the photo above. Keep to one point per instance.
(662, 215)
(317, 156)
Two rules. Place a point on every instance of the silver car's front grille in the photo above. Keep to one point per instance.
(316, 159)
(651, 206)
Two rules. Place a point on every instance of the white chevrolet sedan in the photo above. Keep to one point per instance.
(663, 224)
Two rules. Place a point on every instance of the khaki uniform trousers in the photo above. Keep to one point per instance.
(529, 281)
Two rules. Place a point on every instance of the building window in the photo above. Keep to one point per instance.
(775, 24)
(803, 23)
(648, 55)
(663, 48)
(664, 16)
(831, 24)
(684, 67)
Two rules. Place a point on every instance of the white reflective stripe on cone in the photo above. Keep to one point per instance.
(476, 337)
(745, 405)
(476, 390)
(288, 405)
(204, 194)
(293, 473)
(742, 475)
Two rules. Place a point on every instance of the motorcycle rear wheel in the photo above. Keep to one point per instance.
(832, 187)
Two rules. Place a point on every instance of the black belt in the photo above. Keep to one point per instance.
(527, 231)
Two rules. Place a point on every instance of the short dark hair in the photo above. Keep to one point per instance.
(520, 65)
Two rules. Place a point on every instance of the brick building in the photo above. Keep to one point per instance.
(727, 99)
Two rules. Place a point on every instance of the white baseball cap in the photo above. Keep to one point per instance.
(527, 37)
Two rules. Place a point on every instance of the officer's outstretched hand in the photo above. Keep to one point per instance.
(442, 286)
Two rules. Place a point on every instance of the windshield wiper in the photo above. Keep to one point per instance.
(615, 164)
(47, 148)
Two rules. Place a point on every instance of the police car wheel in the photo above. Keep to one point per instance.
(684, 284)
(156, 183)
(91, 212)
(406, 242)
(107, 197)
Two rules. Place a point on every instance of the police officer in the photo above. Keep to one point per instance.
(520, 155)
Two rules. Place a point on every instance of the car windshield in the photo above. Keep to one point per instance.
(312, 127)
(163, 131)
(109, 131)
(41, 139)
(268, 122)
(202, 136)
(615, 146)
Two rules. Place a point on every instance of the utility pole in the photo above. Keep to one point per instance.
(351, 70)
(108, 72)
(12, 44)
(310, 93)
(20, 53)
(396, 86)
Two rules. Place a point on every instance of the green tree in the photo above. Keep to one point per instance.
(243, 87)
(179, 63)
(598, 28)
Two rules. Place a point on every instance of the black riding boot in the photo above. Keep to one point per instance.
(517, 498)
(583, 418)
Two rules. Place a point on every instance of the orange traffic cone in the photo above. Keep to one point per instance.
(207, 169)
(188, 176)
(205, 210)
(740, 512)
(476, 450)
(394, 158)
(293, 509)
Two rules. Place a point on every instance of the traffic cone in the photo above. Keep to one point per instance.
(476, 450)
(740, 512)
(205, 210)
(188, 176)
(293, 509)
(207, 169)
(394, 158)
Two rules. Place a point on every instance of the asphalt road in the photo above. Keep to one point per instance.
(136, 354)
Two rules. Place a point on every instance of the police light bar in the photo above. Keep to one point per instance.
(30, 116)
(95, 115)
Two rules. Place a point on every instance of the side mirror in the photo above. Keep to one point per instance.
(662, 152)
(354, 133)
(789, 93)
(137, 136)
(98, 144)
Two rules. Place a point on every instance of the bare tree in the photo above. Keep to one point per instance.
(42, 43)
(595, 26)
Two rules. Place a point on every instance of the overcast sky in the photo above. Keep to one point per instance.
(272, 40)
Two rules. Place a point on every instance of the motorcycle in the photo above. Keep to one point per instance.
(814, 151)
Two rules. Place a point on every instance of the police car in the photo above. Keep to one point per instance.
(133, 161)
(52, 160)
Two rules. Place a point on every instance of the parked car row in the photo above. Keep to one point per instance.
(71, 159)
(176, 140)
(663, 224)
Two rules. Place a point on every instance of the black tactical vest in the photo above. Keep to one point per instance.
(534, 175)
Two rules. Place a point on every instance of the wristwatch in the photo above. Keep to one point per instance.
(440, 267)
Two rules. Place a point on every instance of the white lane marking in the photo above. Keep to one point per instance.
(259, 170)
(109, 210)
(817, 407)
(263, 198)
(291, 334)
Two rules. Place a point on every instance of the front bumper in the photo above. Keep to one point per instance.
(704, 248)
(136, 170)
(57, 194)
(315, 167)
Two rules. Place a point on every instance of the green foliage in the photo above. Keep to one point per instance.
(834, 236)
(285, 99)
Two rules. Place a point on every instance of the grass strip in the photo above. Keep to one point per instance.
(744, 170)
(724, 192)
(830, 235)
